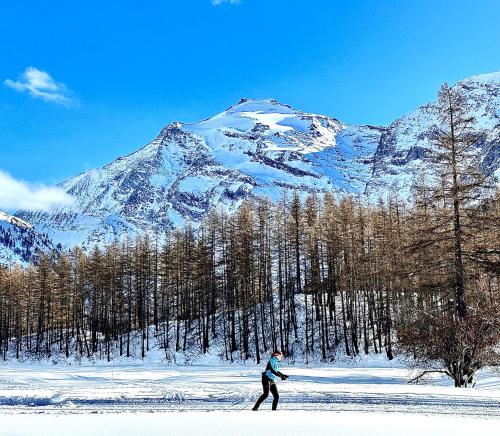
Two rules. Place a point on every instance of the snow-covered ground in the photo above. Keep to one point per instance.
(246, 423)
(359, 398)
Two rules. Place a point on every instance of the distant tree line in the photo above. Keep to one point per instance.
(312, 277)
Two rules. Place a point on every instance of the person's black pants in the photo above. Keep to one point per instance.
(268, 385)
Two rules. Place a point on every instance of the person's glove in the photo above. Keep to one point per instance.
(284, 377)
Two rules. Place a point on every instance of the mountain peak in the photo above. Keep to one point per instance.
(493, 77)
(249, 112)
(260, 105)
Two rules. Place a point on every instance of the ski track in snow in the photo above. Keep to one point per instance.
(61, 389)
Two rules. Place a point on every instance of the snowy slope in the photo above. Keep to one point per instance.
(254, 148)
(19, 241)
(405, 145)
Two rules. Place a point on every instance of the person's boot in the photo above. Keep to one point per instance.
(255, 408)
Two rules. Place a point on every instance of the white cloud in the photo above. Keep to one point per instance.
(231, 2)
(17, 194)
(40, 84)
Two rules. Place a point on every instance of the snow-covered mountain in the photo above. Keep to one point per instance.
(19, 241)
(254, 148)
(404, 147)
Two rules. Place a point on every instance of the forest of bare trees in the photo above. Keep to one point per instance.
(313, 277)
(307, 277)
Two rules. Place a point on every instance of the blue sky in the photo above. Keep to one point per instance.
(118, 71)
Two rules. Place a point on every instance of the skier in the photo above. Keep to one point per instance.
(268, 380)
